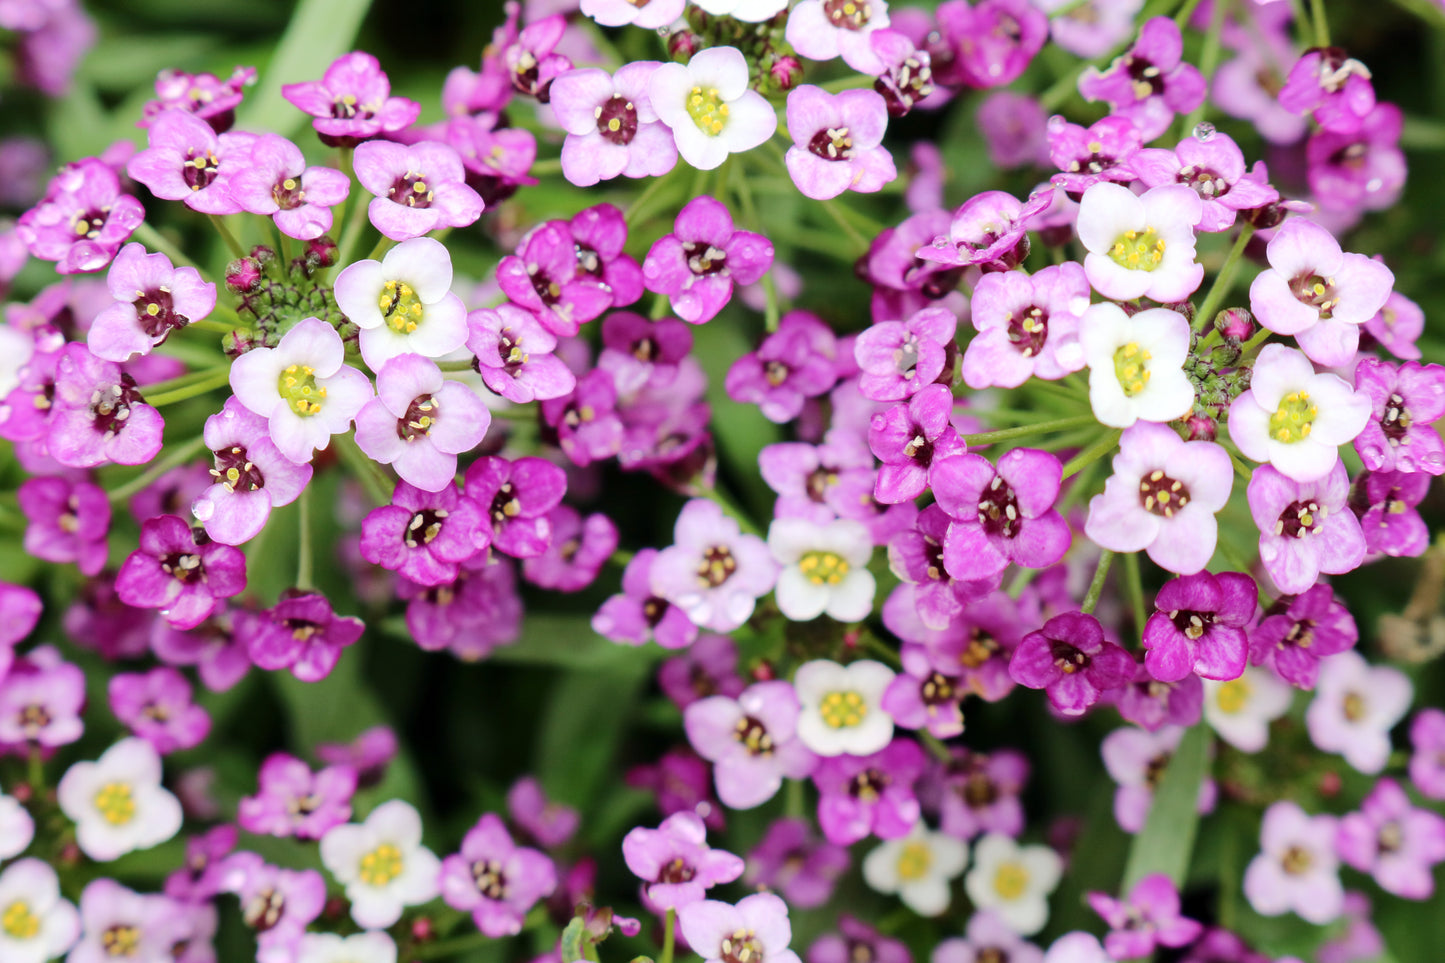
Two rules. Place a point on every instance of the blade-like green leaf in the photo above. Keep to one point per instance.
(320, 32)
(1165, 844)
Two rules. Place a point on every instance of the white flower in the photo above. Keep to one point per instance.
(117, 803)
(749, 11)
(1014, 881)
(382, 864)
(709, 106)
(1241, 711)
(1136, 364)
(1355, 707)
(840, 711)
(371, 947)
(917, 868)
(35, 923)
(404, 303)
(824, 569)
(1293, 418)
(17, 829)
(302, 387)
(1141, 245)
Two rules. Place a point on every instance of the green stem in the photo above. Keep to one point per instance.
(541, 168)
(366, 471)
(845, 225)
(180, 456)
(1259, 338)
(453, 948)
(1096, 587)
(346, 247)
(669, 926)
(1027, 431)
(209, 324)
(156, 241)
(1021, 581)
(456, 366)
(876, 646)
(224, 230)
(744, 191)
(189, 378)
(215, 379)
(383, 244)
(1093, 453)
(36, 771)
(1224, 281)
(1322, 24)
(1185, 12)
(631, 214)
(1134, 587)
(348, 208)
(303, 550)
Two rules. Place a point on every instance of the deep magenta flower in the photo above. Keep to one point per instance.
(908, 439)
(1104, 151)
(697, 265)
(1150, 917)
(250, 476)
(1150, 83)
(470, 616)
(67, 521)
(989, 230)
(1393, 841)
(612, 128)
(173, 572)
(1427, 762)
(1406, 401)
(41, 699)
(599, 234)
(212, 647)
(188, 161)
(979, 793)
(637, 616)
(551, 824)
(898, 358)
(1000, 514)
(99, 415)
(1385, 502)
(927, 693)
(152, 299)
(587, 423)
(751, 741)
(1360, 171)
(300, 633)
(352, 101)
(580, 547)
(1305, 528)
(516, 497)
(514, 354)
(1331, 85)
(200, 878)
(279, 184)
(545, 277)
(794, 860)
(1293, 642)
(419, 422)
(674, 862)
(870, 795)
(639, 353)
(1151, 704)
(838, 141)
(794, 363)
(1027, 326)
(994, 41)
(709, 667)
(1199, 627)
(494, 879)
(276, 903)
(1071, 659)
(20, 610)
(417, 189)
(157, 706)
(207, 96)
(83, 220)
(424, 535)
(291, 800)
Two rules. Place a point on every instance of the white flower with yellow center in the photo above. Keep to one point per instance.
(710, 107)
(404, 303)
(372, 947)
(117, 803)
(382, 864)
(35, 923)
(1240, 711)
(17, 829)
(840, 711)
(1136, 364)
(824, 569)
(1141, 245)
(918, 868)
(1013, 881)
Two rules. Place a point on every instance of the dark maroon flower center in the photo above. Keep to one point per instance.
(424, 527)
(1317, 292)
(991, 954)
(1161, 495)
(753, 736)
(1206, 183)
(509, 349)
(979, 791)
(1028, 330)
(998, 509)
(676, 870)
(653, 609)
(547, 289)
(906, 84)
(346, 108)
(1192, 624)
(818, 482)
(1146, 79)
(411, 190)
(1300, 519)
(588, 260)
(1301, 635)
(491, 881)
(1390, 838)
(110, 405)
(302, 630)
(847, 14)
(716, 567)
(617, 120)
(185, 567)
(869, 784)
(938, 689)
(236, 471)
(832, 144)
(420, 418)
(505, 504)
(89, 223)
(200, 170)
(288, 193)
(645, 349)
(156, 312)
(703, 259)
(776, 372)
(741, 947)
(1396, 421)
(34, 718)
(1068, 658)
(1154, 769)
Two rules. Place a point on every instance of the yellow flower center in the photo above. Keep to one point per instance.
(115, 803)
(843, 710)
(298, 387)
(1010, 880)
(382, 865)
(400, 306)
(914, 861)
(1294, 419)
(19, 922)
(1131, 367)
(1138, 250)
(121, 940)
(707, 110)
(1233, 696)
(824, 567)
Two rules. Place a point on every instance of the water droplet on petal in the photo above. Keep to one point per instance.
(1056, 123)
(940, 241)
(1374, 184)
(1204, 131)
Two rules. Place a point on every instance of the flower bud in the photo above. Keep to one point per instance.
(243, 275)
(1236, 324)
(682, 45)
(1201, 427)
(322, 250)
(786, 71)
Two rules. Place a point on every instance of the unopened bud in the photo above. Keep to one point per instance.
(1236, 324)
(322, 250)
(786, 71)
(1201, 428)
(422, 929)
(243, 275)
(763, 671)
(683, 44)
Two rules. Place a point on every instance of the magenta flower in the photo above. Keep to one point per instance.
(855, 939)
(1360, 171)
(207, 96)
(188, 161)
(709, 667)
(551, 824)
(927, 693)
(815, 482)
(20, 610)
(83, 220)
(1150, 83)
(251, 476)
(470, 616)
(1297, 868)
(301, 633)
(419, 422)
(157, 706)
(637, 615)
(1149, 918)
(1134, 759)
(67, 521)
(675, 864)
(821, 31)
(1393, 841)
(424, 535)
(838, 141)
(1104, 151)
(1355, 707)
(587, 422)
(1214, 167)
(494, 879)
(1385, 503)
(989, 230)
(992, 42)
(1397, 326)
(906, 78)
(639, 353)
(280, 185)
(212, 647)
(612, 128)
(599, 234)
(1332, 86)
(40, 701)
(352, 101)
(580, 547)
(980, 793)
(793, 860)
(751, 741)
(1199, 627)
(713, 571)
(1027, 326)
(369, 754)
(1427, 762)
(514, 355)
(794, 363)
(757, 925)
(1406, 401)
(202, 875)
(291, 800)
(908, 439)
(152, 299)
(173, 572)
(1294, 642)
(531, 59)
(990, 938)
(1070, 658)
(697, 265)
(417, 189)
(99, 415)
(1014, 129)
(869, 795)
(898, 358)
(1151, 704)
(1000, 514)
(516, 496)
(1305, 528)
(544, 277)
(277, 903)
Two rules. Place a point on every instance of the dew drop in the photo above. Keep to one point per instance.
(1056, 123)
(1204, 132)
(1374, 184)
(940, 241)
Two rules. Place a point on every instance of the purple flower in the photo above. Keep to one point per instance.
(1150, 83)
(822, 32)
(186, 160)
(40, 701)
(1135, 759)
(1104, 151)
(906, 77)
(712, 571)
(612, 128)
(1360, 171)
(926, 694)
(873, 794)
(545, 277)
(979, 793)
(636, 615)
(514, 355)
(472, 615)
(419, 422)
(20, 610)
(516, 496)
(898, 358)
(207, 96)
(1001, 514)
(908, 438)
(751, 740)
(1397, 326)
(352, 101)
(1406, 401)
(989, 230)
(551, 824)
(1297, 868)
(1199, 627)
(707, 668)
(494, 879)
(291, 800)
(149, 925)
(301, 633)
(201, 877)
(99, 415)
(697, 265)
(157, 706)
(1248, 86)
(1149, 703)
(1393, 841)
(916, 557)
(1331, 85)
(1305, 528)
(1071, 659)
(173, 572)
(757, 927)
(1027, 326)
(251, 476)
(369, 754)
(794, 363)
(795, 861)
(1149, 918)
(838, 141)
(994, 41)
(675, 864)
(276, 903)
(152, 299)
(67, 521)
(1293, 642)
(417, 189)
(990, 938)
(1013, 127)
(580, 547)
(681, 783)
(587, 423)
(1427, 762)
(639, 353)
(424, 535)
(1355, 707)
(83, 220)
(1214, 167)
(857, 940)
(599, 234)
(278, 184)
(531, 61)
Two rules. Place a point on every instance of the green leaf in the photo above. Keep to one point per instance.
(1167, 840)
(321, 31)
(572, 940)
(582, 728)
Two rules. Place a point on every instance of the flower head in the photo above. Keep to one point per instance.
(495, 879)
(152, 299)
(1150, 83)
(291, 800)
(1199, 627)
(697, 265)
(382, 864)
(117, 802)
(174, 572)
(1013, 881)
(416, 189)
(1141, 245)
(612, 127)
(1071, 659)
(352, 101)
(752, 741)
(419, 422)
(279, 184)
(837, 139)
(674, 862)
(918, 867)
(1305, 528)
(1297, 868)
(1136, 364)
(1355, 707)
(709, 106)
